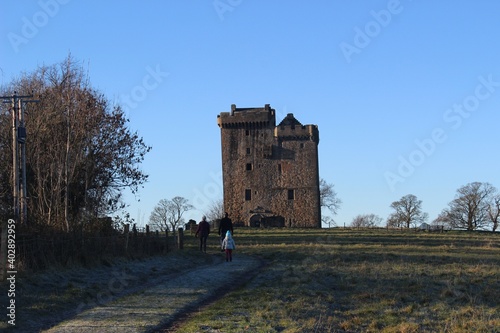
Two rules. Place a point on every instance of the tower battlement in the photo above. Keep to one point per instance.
(247, 117)
(291, 129)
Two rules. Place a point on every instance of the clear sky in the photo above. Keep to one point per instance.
(406, 94)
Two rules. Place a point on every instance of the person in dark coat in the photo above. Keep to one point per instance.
(203, 230)
(225, 225)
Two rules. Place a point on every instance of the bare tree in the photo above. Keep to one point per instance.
(179, 206)
(408, 212)
(494, 212)
(328, 221)
(168, 214)
(394, 222)
(215, 210)
(470, 208)
(442, 221)
(6, 194)
(329, 200)
(159, 216)
(366, 221)
(80, 153)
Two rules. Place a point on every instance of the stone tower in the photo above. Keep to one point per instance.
(270, 172)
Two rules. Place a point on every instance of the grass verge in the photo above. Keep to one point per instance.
(340, 280)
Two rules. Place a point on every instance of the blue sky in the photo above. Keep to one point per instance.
(406, 94)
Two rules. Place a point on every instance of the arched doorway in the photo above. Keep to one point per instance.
(255, 220)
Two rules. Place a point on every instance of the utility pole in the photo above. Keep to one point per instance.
(20, 205)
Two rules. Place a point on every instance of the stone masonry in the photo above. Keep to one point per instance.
(270, 172)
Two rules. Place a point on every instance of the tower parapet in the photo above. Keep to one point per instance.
(291, 129)
(247, 117)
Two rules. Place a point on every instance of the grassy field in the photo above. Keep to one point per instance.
(377, 280)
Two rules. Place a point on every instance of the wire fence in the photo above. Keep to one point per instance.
(38, 251)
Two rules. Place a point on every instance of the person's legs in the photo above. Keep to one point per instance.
(205, 244)
(229, 255)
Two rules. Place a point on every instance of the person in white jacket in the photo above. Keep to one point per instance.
(228, 245)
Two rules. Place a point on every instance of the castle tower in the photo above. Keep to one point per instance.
(270, 173)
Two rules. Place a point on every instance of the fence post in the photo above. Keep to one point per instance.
(3, 249)
(180, 238)
(166, 240)
(156, 242)
(134, 231)
(148, 240)
(126, 231)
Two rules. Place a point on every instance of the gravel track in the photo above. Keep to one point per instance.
(159, 306)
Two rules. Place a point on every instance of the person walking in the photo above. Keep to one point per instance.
(228, 245)
(225, 225)
(203, 230)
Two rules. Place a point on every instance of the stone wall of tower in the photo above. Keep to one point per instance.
(246, 140)
(263, 165)
(299, 173)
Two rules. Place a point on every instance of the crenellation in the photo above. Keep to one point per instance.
(304, 132)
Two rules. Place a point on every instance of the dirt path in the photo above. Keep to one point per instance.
(160, 305)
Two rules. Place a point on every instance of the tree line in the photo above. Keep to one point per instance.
(168, 214)
(476, 206)
(80, 153)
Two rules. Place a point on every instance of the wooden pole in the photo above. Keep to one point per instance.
(148, 240)
(180, 239)
(15, 161)
(23, 189)
(166, 240)
(126, 232)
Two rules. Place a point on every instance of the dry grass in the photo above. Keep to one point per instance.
(316, 280)
(340, 280)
